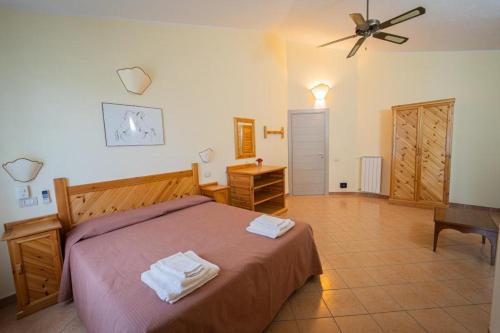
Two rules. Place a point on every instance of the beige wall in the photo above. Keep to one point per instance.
(55, 72)
(473, 78)
(308, 66)
(365, 87)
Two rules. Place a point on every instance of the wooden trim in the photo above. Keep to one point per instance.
(419, 204)
(240, 155)
(111, 184)
(418, 104)
(76, 204)
(467, 206)
(360, 194)
(62, 200)
(196, 177)
(232, 168)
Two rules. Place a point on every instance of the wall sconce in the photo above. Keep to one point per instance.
(134, 79)
(320, 91)
(23, 170)
(206, 155)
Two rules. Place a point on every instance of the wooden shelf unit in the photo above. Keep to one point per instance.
(258, 188)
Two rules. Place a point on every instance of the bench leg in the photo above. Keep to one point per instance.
(437, 230)
(483, 239)
(493, 242)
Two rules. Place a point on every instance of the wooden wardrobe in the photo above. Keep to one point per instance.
(421, 152)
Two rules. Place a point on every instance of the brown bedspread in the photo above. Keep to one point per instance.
(106, 257)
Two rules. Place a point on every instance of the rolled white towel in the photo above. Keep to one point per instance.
(270, 233)
(180, 265)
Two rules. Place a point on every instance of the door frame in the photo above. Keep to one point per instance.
(326, 113)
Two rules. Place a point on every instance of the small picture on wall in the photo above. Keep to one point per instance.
(129, 125)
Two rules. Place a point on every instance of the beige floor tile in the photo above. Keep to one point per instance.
(343, 302)
(471, 316)
(283, 327)
(437, 321)
(330, 279)
(285, 313)
(471, 290)
(309, 305)
(408, 298)
(375, 299)
(385, 275)
(356, 277)
(358, 324)
(439, 293)
(321, 325)
(74, 326)
(397, 322)
(412, 273)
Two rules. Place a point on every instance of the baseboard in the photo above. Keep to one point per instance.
(461, 205)
(362, 194)
(6, 301)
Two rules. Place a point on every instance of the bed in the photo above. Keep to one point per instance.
(116, 229)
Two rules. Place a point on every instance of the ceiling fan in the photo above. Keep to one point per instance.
(372, 27)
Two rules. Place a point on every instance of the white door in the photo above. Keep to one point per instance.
(308, 151)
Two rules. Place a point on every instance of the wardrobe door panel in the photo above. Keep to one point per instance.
(403, 185)
(432, 166)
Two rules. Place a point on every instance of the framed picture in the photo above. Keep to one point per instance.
(129, 125)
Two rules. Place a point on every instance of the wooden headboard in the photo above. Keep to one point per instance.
(77, 204)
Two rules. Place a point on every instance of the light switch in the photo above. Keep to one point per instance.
(22, 192)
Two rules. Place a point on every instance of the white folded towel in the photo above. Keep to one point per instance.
(180, 265)
(170, 288)
(270, 233)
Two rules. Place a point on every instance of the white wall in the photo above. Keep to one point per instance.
(473, 78)
(56, 71)
(308, 66)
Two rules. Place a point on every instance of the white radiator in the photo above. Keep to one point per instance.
(371, 172)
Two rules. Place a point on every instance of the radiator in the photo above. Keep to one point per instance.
(371, 172)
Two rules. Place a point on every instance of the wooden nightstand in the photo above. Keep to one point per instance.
(35, 256)
(220, 193)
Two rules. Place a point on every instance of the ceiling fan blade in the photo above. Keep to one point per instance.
(403, 17)
(336, 41)
(390, 37)
(356, 47)
(358, 19)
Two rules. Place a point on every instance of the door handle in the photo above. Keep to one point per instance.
(321, 155)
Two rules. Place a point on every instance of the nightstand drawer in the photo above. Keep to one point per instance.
(220, 193)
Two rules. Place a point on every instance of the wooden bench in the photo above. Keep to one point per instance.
(467, 220)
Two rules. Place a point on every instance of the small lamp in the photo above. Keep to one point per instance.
(206, 155)
(320, 91)
(23, 169)
(134, 79)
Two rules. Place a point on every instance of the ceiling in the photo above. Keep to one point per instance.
(447, 25)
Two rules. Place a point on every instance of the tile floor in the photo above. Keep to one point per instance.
(380, 275)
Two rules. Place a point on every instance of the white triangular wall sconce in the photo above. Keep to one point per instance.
(23, 169)
(134, 79)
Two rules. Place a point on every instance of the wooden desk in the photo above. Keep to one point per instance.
(467, 220)
(261, 189)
